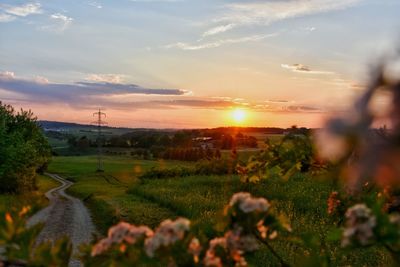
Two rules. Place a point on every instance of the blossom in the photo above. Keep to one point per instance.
(249, 204)
(166, 234)
(195, 249)
(211, 259)
(235, 244)
(360, 223)
(120, 233)
(333, 202)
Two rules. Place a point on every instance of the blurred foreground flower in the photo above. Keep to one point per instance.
(360, 224)
(166, 234)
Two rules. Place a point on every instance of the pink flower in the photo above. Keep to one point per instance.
(249, 204)
(166, 234)
(122, 232)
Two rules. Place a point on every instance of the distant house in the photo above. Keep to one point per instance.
(203, 142)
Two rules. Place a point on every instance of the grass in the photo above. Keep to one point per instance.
(35, 199)
(117, 194)
(105, 193)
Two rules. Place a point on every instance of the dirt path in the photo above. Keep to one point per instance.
(65, 216)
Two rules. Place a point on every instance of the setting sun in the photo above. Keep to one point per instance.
(239, 115)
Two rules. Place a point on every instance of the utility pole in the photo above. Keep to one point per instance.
(99, 123)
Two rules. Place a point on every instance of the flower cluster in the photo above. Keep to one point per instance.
(247, 203)
(120, 234)
(360, 224)
(166, 234)
(250, 223)
(233, 245)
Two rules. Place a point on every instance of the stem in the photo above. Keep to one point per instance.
(281, 261)
(395, 255)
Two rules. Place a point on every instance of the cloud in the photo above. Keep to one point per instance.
(6, 18)
(219, 29)
(218, 43)
(128, 96)
(42, 91)
(11, 12)
(58, 23)
(107, 78)
(304, 69)
(95, 4)
(22, 10)
(267, 12)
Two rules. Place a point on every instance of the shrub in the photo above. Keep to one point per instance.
(23, 150)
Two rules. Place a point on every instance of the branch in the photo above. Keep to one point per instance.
(263, 241)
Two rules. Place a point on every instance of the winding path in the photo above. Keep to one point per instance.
(65, 216)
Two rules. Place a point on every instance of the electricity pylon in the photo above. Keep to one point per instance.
(99, 123)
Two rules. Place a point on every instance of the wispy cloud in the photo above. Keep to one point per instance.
(6, 18)
(95, 4)
(22, 10)
(11, 12)
(218, 43)
(108, 78)
(304, 69)
(267, 12)
(58, 23)
(219, 29)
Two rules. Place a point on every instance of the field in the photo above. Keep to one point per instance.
(118, 195)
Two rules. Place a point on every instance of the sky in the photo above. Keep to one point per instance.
(191, 63)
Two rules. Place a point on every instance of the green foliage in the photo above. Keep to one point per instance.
(19, 247)
(294, 153)
(23, 150)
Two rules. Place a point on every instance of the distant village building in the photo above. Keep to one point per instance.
(203, 142)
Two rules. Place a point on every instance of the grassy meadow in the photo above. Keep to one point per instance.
(118, 194)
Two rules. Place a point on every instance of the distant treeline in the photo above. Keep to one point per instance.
(189, 145)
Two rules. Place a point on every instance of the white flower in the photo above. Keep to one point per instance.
(360, 223)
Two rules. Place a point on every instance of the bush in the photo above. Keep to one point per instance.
(23, 150)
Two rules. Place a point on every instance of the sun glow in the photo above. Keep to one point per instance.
(239, 115)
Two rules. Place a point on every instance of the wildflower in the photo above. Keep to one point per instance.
(234, 244)
(249, 204)
(211, 259)
(166, 234)
(333, 202)
(360, 223)
(262, 229)
(24, 211)
(9, 219)
(120, 234)
(195, 249)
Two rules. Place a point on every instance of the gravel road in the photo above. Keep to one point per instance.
(65, 216)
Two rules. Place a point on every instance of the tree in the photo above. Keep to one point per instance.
(23, 150)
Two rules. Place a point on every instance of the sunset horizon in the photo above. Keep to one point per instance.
(191, 64)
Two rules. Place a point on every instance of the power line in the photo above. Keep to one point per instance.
(99, 123)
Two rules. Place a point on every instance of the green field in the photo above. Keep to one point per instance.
(118, 195)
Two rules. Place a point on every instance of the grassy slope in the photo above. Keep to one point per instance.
(201, 198)
(105, 193)
(36, 198)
